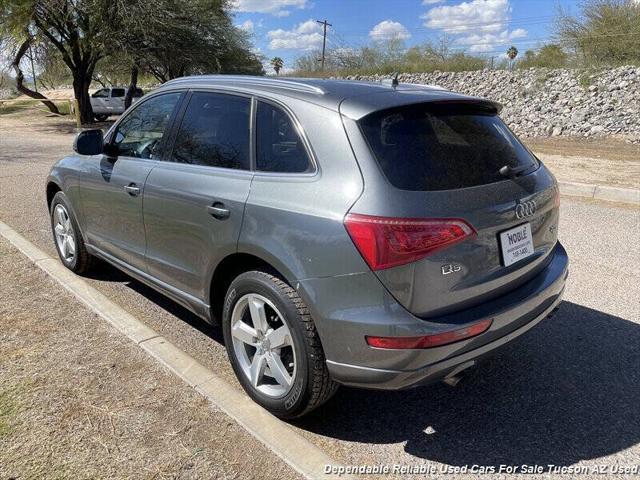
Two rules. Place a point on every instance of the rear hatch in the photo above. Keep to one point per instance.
(464, 212)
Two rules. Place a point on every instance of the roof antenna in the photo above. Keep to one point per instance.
(393, 82)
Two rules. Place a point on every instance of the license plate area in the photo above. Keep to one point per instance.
(516, 244)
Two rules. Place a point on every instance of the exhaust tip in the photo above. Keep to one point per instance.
(456, 375)
(453, 380)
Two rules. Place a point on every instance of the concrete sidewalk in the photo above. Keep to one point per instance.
(629, 196)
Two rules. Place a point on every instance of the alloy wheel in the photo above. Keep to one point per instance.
(263, 345)
(65, 235)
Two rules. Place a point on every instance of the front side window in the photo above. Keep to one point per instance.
(214, 132)
(102, 93)
(442, 147)
(140, 132)
(279, 147)
(117, 92)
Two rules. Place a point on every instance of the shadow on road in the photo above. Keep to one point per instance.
(108, 273)
(567, 390)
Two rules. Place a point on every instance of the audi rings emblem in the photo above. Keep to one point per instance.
(525, 209)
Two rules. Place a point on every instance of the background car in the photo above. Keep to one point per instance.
(110, 101)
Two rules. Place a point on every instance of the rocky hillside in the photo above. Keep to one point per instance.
(543, 102)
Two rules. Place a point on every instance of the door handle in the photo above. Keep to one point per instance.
(132, 189)
(218, 211)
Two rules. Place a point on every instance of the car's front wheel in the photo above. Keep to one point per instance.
(101, 117)
(66, 234)
(274, 347)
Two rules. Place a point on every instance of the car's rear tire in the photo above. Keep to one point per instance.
(278, 357)
(100, 117)
(67, 237)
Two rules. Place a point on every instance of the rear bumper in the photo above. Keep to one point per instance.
(351, 361)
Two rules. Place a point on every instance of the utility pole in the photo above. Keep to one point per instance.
(324, 39)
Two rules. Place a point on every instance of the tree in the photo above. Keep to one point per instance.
(53, 71)
(607, 32)
(16, 40)
(168, 38)
(385, 57)
(173, 38)
(277, 63)
(549, 56)
(74, 28)
(20, 86)
(512, 53)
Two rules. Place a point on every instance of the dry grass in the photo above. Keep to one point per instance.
(77, 400)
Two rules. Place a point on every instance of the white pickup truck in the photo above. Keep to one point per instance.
(110, 101)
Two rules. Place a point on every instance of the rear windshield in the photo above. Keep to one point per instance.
(442, 147)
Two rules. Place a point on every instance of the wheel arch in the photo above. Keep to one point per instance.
(232, 266)
(52, 188)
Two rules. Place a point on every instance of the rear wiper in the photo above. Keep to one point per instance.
(513, 172)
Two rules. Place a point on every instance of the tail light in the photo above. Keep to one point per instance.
(430, 341)
(386, 242)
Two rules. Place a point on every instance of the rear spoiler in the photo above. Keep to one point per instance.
(476, 102)
(360, 106)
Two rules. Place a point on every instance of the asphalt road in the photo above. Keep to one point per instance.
(566, 393)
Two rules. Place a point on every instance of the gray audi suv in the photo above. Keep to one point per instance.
(377, 235)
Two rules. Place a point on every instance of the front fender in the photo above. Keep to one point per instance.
(65, 175)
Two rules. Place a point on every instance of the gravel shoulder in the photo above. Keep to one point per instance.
(77, 400)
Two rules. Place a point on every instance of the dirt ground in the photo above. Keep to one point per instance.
(601, 161)
(78, 400)
(606, 161)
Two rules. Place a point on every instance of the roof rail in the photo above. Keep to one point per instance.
(286, 84)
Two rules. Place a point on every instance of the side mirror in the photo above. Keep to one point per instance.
(111, 150)
(89, 142)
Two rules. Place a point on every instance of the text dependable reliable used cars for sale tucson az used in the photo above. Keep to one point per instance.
(377, 235)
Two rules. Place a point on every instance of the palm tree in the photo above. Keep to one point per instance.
(512, 53)
(277, 63)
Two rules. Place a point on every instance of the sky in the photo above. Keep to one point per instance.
(288, 28)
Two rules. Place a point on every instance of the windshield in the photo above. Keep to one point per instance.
(442, 147)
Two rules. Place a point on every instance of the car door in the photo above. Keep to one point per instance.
(99, 101)
(116, 104)
(111, 190)
(194, 201)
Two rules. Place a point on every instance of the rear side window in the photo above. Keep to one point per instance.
(117, 92)
(279, 147)
(438, 147)
(214, 132)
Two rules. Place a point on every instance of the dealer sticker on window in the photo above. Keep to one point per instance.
(516, 244)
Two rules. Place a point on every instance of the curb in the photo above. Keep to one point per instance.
(295, 450)
(601, 192)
